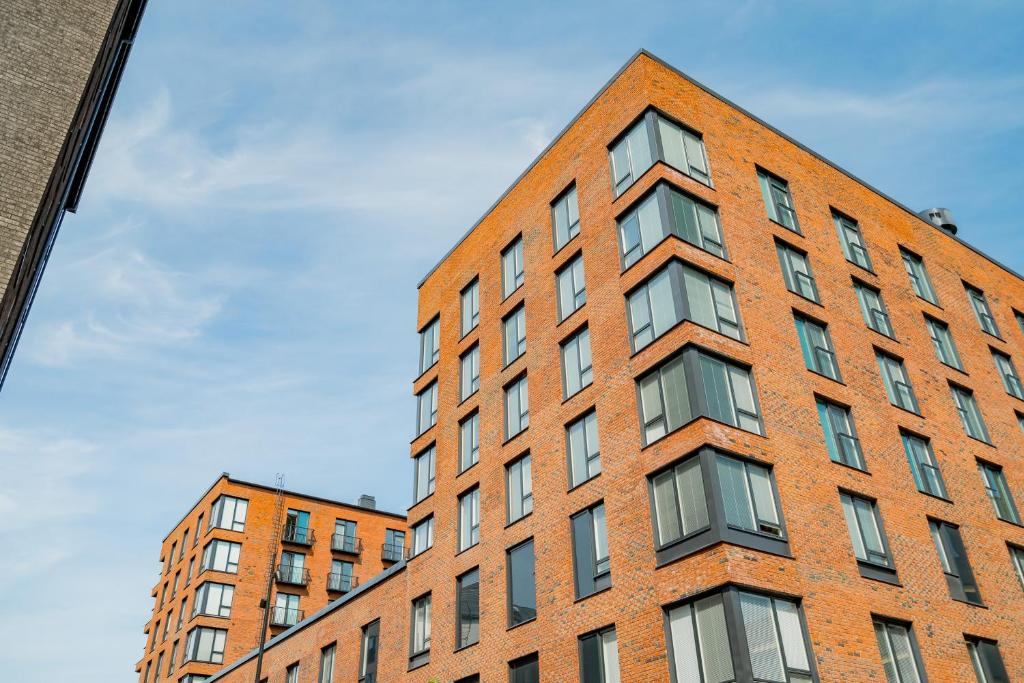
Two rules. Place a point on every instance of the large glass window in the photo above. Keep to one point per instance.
(900, 659)
(368, 653)
(213, 599)
(981, 310)
(341, 578)
(469, 519)
(796, 271)
(469, 372)
(419, 642)
(430, 345)
(748, 496)
(519, 488)
(919, 279)
(1008, 373)
(517, 407)
(998, 491)
(923, 465)
(577, 364)
(344, 538)
(515, 334)
(656, 138)
(680, 505)
(426, 408)
(229, 512)
(469, 441)
(470, 307)
(876, 315)
(840, 434)
(572, 287)
(953, 557)
(852, 241)
(897, 383)
(631, 156)
(684, 150)
(522, 587)
(422, 536)
(467, 608)
(816, 346)
(599, 656)
(512, 273)
(715, 636)
(970, 414)
(221, 556)
(565, 217)
(393, 549)
(942, 340)
(423, 481)
(988, 663)
(591, 564)
(667, 211)
(777, 200)
(206, 644)
(584, 450)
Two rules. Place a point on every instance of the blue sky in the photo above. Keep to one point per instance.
(237, 292)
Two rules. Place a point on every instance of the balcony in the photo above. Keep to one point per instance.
(298, 535)
(286, 616)
(392, 552)
(295, 576)
(343, 543)
(341, 583)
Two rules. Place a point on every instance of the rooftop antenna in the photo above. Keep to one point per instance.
(276, 529)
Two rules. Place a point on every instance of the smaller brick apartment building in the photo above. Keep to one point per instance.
(215, 565)
(696, 405)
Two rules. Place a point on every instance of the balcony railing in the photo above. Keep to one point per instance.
(392, 552)
(344, 543)
(341, 583)
(300, 535)
(297, 576)
(286, 616)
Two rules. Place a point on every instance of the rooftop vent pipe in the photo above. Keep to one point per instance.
(368, 502)
(940, 218)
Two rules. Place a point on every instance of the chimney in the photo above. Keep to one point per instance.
(940, 218)
(368, 502)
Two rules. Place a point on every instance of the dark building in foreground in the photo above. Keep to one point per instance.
(60, 64)
(696, 405)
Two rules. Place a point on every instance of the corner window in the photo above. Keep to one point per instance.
(988, 663)
(470, 307)
(517, 407)
(734, 630)
(423, 481)
(998, 492)
(515, 334)
(430, 345)
(981, 310)
(469, 373)
(897, 383)
(583, 449)
(631, 156)
(923, 465)
(469, 441)
(221, 556)
(796, 272)
(467, 608)
(852, 241)
(426, 408)
(777, 200)
(213, 599)
(919, 280)
(876, 316)
(469, 519)
(565, 217)
(942, 340)
(1008, 373)
(953, 558)
(577, 364)
(970, 414)
(206, 645)
(683, 150)
(599, 656)
(898, 647)
(422, 536)
(519, 488)
(667, 211)
(419, 639)
(591, 564)
(840, 435)
(870, 546)
(522, 587)
(816, 346)
(655, 138)
(229, 513)
(368, 653)
(572, 288)
(512, 274)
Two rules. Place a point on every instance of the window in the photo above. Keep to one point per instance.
(816, 346)
(291, 674)
(591, 564)
(156, 634)
(524, 670)
(292, 569)
(870, 546)
(430, 345)
(171, 559)
(840, 434)
(667, 211)
(876, 316)
(942, 340)
(656, 138)
(394, 545)
(423, 481)
(515, 334)
(678, 292)
(583, 449)
(519, 488)
(149, 668)
(286, 610)
(228, 513)
(709, 497)
(565, 217)
(998, 491)
(953, 557)
(221, 556)
(512, 275)
(897, 384)
(213, 599)
(159, 667)
(981, 310)
(199, 526)
(419, 641)
(469, 441)
(919, 279)
(206, 645)
(599, 657)
(181, 613)
(988, 664)
(777, 201)
(296, 527)
(1020, 421)
(173, 658)
(577, 365)
(422, 536)
(517, 407)
(167, 625)
(426, 408)
(174, 586)
(572, 288)
(923, 465)
(368, 653)
(631, 156)
(898, 648)
(326, 674)
(470, 307)
(852, 241)
(467, 614)
(191, 569)
(341, 579)
(1017, 558)
(469, 519)
(970, 415)
(724, 392)
(469, 372)
(1008, 373)
(522, 588)
(713, 637)
(684, 150)
(796, 271)
(344, 538)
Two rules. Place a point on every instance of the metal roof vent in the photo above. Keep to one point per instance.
(368, 502)
(940, 218)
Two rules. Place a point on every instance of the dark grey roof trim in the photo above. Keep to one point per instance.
(741, 110)
(311, 619)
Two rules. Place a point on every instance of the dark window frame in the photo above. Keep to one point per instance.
(649, 119)
(584, 553)
(960, 579)
(793, 280)
(870, 569)
(509, 611)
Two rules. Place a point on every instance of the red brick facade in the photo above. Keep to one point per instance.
(819, 570)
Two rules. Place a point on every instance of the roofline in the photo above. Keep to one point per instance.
(311, 619)
(753, 117)
(296, 494)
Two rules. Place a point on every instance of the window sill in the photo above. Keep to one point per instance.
(935, 496)
(463, 648)
(865, 269)
(838, 381)
(1011, 522)
(463, 401)
(422, 434)
(559, 250)
(984, 441)
(953, 367)
(581, 390)
(851, 467)
(466, 550)
(515, 436)
(459, 474)
(792, 231)
(421, 500)
(647, 444)
(571, 315)
(910, 411)
(936, 304)
(590, 595)
(878, 572)
(419, 660)
(686, 321)
(805, 298)
(518, 519)
(521, 623)
(425, 373)
(582, 483)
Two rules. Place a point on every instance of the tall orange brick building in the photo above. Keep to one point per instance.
(697, 405)
(215, 565)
